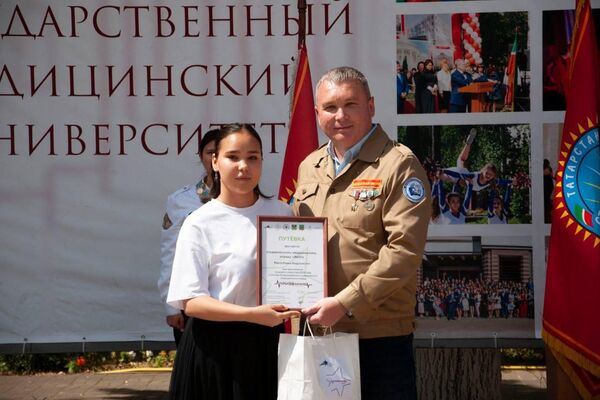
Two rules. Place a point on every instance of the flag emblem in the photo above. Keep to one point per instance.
(578, 189)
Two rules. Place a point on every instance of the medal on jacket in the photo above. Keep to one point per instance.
(366, 196)
(369, 205)
(356, 195)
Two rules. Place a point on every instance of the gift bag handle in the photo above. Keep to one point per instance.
(307, 324)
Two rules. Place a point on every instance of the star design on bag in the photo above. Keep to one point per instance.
(338, 381)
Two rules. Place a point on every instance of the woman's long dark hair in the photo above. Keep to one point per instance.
(207, 138)
(225, 131)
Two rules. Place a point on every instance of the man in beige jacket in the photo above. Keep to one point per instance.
(375, 195)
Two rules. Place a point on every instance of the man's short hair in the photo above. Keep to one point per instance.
(345, 74)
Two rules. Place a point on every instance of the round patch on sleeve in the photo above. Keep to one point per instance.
(413, 190)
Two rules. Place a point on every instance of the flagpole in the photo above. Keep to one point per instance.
(301, 22)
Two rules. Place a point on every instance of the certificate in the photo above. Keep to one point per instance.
(291, 260)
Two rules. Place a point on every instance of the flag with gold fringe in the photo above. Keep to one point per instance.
(571, 328)
(302, 136)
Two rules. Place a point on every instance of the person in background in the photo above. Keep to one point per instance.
(402, 89)
(479, 179)
(498, 206)
(469, 68)
(180, 204)
(229, 347)
(444, 86)
(372, 191)
(452, 211)
(496, 96)
(429, 89)
(458, 79)
(419, 85)
(478, 74)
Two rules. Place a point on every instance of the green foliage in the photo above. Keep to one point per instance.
(498, 35)
(31, 363)
(162, 359)
(523, 356)
(519, 207)
(77, 362)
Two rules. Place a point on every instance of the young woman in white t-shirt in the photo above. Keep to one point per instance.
(229, 346)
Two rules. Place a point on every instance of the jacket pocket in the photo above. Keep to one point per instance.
(306, 191)
(305, 199)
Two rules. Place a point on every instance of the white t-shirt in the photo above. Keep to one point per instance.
(447, 218)
(216, 253)
(180, 204)
(444, 81)
(494, 219)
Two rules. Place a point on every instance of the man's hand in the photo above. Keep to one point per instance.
(326, 312)
(176, 321)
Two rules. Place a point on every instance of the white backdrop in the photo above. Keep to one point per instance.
(79, 230)
(79, 233)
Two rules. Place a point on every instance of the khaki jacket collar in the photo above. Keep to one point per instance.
(374, 146)
(370, 152)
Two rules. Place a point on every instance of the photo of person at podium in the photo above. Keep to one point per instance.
(458, 80)
(463, 63)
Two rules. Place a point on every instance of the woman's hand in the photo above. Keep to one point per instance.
(271, 314)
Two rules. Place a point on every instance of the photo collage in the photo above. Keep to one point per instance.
(490, 77)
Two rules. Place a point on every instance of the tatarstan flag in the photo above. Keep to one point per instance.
(509, 76)
(302, 137)
(584, 215)
(571, 327)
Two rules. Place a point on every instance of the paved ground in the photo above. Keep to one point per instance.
(516, 385)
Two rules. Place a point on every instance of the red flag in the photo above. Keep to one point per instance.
(571, 326)
(509, 76)
(302, 137)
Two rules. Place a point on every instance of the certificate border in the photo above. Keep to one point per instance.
(259, 266)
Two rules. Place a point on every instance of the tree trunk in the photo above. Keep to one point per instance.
(458, 374)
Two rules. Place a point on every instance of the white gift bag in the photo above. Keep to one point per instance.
(318, 367)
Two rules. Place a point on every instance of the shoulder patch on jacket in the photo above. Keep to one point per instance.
(413, 190)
